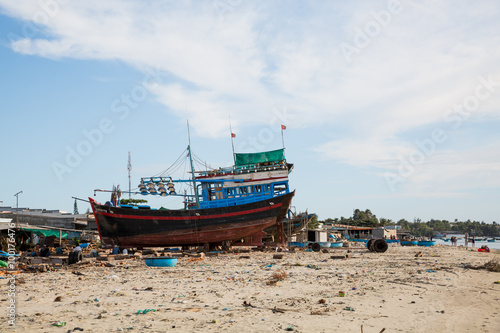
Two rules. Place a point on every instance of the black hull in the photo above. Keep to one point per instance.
(128, 227)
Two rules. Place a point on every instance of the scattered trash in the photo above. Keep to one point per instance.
(145, 311)
(341, 293)
(320, 312)
(348, 308)
(313, 267)
(59, 324)
(247, 304)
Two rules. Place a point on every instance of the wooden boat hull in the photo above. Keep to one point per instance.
(127, 227)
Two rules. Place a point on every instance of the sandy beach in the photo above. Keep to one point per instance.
(242, 292)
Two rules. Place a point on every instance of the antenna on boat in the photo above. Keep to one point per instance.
(192, 168)
(129, 168)
(232, 137)
(283, 127)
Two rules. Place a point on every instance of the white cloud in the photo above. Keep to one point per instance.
(261, 56)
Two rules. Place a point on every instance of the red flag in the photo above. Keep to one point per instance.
(233, 135)
(283, 127)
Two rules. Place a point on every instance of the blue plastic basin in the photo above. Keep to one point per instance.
(161, 262)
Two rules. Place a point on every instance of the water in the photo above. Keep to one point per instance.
(491, 245)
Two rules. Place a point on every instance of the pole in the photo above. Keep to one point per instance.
(282, 139)
(232, 141)
(192, 169)
(129, 167)
(17, 208)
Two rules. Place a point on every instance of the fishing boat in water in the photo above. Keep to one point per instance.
(226, 204)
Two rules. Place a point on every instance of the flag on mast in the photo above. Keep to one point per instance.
(232, 137)
(283, 127)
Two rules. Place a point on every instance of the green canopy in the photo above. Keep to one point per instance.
(46, 233)
(254, 158)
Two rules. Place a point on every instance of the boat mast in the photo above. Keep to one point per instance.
(192, 169)
(129, 168)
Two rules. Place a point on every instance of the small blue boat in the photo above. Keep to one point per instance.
(161, 262)
(491, 240)
(336, 244)
(426, 243)
(409, 243)
(298, 244)
(392, 240)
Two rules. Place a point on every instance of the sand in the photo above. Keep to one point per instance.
(235, 292)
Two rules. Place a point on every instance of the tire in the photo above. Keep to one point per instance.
(74, 257)
(71, 258)
(369, 245)
(380, 246)
(316, 247)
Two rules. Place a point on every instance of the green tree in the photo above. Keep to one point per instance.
(364, 219)
(384, 222)
(404, 224)
(313, 222)
(75, 209)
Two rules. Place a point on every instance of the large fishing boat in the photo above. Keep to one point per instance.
(227, 204)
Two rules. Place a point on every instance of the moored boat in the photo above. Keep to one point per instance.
(358, 240)
(409, 242)
(227, 205)
(426, 243)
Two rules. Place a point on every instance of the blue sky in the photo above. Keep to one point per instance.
(392, 106)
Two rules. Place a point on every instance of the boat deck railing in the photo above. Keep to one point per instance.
(242, 169)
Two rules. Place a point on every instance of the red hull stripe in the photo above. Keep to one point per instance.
(190, 217)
